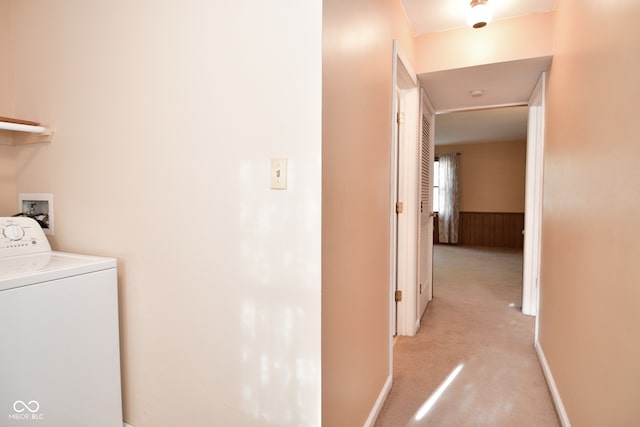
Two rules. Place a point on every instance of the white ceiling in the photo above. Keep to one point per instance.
(503, 84)
(476, 126)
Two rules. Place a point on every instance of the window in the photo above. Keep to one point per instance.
(436, 185)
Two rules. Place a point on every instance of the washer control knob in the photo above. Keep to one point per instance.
(13, 232)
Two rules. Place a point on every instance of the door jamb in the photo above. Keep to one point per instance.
(403, 231)
(533, 203)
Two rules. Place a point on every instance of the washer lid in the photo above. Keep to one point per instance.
(24, 270)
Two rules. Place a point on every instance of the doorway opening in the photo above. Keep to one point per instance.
(482, 174)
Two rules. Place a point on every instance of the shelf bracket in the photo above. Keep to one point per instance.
(23, 138)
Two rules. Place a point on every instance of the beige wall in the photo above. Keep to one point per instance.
(6, 104)
(8, 194)
(357, 55)
(166, 116)
(590, 283)
(529, 36)
(492, 175)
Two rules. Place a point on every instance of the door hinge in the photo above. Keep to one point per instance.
(399, 207)
(400, 117)
(398, 296)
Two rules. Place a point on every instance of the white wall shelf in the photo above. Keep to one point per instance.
(26, 132)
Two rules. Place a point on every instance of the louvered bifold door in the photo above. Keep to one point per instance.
(426, 205)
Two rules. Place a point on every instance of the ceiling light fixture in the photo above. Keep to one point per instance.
(479, 14)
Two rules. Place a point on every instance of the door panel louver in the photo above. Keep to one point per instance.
(426, 205)
(425, 168)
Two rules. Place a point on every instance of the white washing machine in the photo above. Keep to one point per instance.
(59, 341)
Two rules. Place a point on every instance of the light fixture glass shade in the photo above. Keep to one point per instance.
(479, 14)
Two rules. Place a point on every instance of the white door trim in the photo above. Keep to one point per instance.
(533, 201)
(404, 188)
(408, 220)
(393, 195)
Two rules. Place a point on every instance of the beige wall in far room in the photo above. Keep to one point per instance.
(492, 175)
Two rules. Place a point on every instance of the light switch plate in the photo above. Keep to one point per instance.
(278, 174)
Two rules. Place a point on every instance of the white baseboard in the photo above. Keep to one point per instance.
(557, 400)
(375, 411)
(126, 425)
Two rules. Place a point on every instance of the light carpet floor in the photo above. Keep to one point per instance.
(473, 326)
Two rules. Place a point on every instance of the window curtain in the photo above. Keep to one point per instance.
(449, 213)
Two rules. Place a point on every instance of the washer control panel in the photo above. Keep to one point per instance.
(21, 236)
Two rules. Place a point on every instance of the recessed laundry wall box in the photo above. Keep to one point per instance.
(40, 207)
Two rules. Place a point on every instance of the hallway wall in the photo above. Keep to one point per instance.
(8, 194)
(524, 37)
(166, 115)
(590, 293)
(357, 89)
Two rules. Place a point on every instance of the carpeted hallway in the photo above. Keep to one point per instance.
(474, 337)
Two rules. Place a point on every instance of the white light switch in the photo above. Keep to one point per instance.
(278, 174)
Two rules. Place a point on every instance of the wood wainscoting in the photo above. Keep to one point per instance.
(495, 229)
